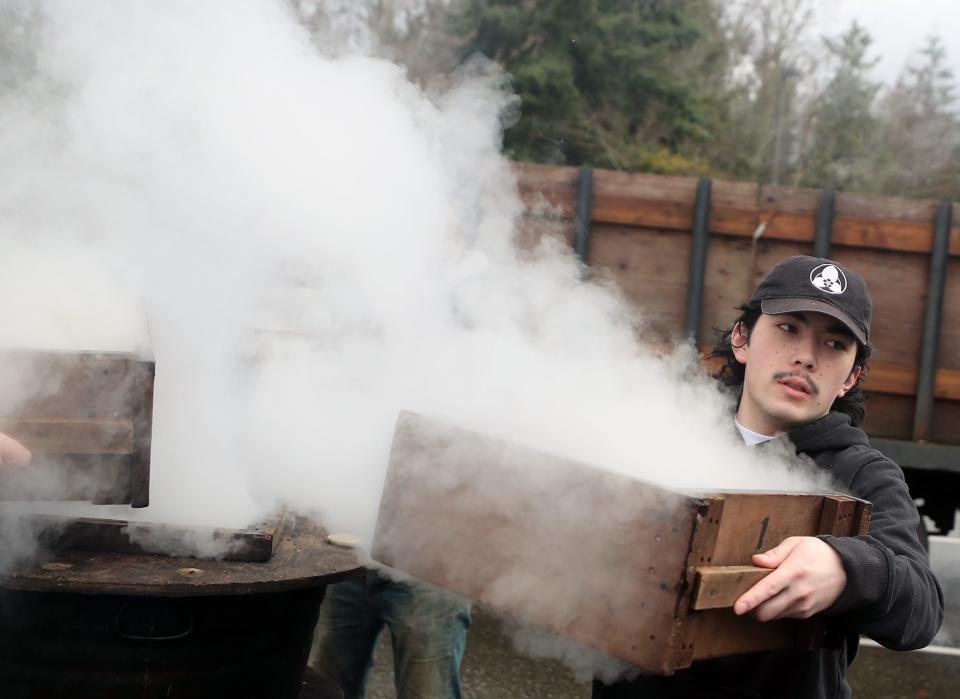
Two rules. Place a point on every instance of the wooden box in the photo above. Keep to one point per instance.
(86, 417)
(643, 573)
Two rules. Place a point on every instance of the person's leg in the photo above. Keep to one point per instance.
(346, 636)
(429, 631)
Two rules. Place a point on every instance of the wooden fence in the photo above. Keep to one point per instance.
(640, 230)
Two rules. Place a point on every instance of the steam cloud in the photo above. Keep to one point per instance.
(307, 243)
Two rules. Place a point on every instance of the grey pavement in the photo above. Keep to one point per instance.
(493, 670)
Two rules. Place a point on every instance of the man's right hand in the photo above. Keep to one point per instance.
(12, 452)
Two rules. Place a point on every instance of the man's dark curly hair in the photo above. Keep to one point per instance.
(732, 372)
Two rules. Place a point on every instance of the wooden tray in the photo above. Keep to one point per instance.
(87, 418)
(638, 571)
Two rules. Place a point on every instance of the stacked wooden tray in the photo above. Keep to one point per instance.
(643, 573)
(86, 417)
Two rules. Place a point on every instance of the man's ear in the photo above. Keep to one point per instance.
(738, 342)
(851, 380)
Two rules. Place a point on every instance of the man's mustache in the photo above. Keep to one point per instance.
(812, 387)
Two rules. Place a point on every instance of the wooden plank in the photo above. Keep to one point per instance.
(91, 385)
(71, 436)
(93, 477)
(875, 206)
(720, 632)
(720, 586)
(547, 189)
(124, 537)
(755, 522)
(946, 417)
(648, 212)
(901, 380)
(501, 524)
(837, 516)
(646, 200)
(141, 399)
(898, 285)
(649, 268)
(653, 201)
(890, 416)
(860, 523)
(680, 649)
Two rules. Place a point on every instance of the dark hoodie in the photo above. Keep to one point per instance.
(891, 595)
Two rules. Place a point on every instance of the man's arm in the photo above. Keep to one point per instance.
(888, 591)
(12, 452)
(892, 595)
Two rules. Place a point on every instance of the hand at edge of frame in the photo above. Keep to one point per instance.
(12, 453)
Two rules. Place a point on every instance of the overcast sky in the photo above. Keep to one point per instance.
(898, 28)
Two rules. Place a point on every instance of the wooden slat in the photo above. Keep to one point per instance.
(720, 632)
(653, 201)
(709, 518)
(71, 436)
(646, 265)
(755, 522)
(98, 478)
(885, 377)
(901, 380)
(720, 586)
(838, 516)
(83, 385)
(123, 537)
(141, 399)
(541, 185)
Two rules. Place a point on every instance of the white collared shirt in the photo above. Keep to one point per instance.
(749, 436)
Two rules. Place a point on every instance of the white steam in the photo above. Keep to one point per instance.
(308, 245)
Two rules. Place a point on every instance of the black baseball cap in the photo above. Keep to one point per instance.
(815, 284)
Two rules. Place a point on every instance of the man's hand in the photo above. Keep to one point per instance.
(12, 452)
(809, 577)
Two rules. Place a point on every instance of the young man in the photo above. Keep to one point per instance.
(796, 357)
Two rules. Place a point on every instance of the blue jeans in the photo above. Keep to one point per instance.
(428, 628)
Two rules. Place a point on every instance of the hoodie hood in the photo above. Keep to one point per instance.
(832, 432)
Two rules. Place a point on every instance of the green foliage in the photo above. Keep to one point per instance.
(725, 88)
(602, 82)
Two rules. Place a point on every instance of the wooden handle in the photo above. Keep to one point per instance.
(720, 586)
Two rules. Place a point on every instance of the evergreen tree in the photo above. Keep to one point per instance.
(602, 82)
(844, 125)
(917, 149)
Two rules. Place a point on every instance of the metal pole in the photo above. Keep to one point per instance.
(583, 215)
(821, 244)
(926, 376)
(698, 258)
